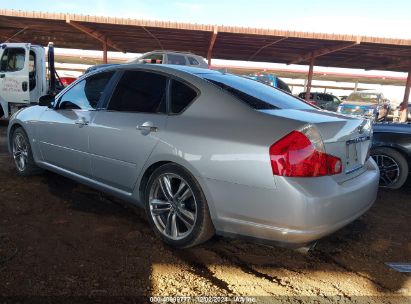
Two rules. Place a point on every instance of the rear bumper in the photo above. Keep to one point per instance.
(299, 211)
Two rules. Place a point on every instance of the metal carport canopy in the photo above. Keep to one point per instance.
(223, 42)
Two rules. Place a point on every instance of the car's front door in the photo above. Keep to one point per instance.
(14, 73)
(63, 131)
(123, 136)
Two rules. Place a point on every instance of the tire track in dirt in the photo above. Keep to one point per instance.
(326, 258)
(308, 281)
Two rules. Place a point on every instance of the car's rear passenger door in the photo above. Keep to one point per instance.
(123, 135)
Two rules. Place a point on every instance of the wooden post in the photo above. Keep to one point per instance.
(404, 104)
(211, 45)
(105, 50)
(310, 79)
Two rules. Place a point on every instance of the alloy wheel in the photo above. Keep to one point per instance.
(389, 169)
(173, 206)
(20, 152)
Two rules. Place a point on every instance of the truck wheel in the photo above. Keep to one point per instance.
(23, 157)
(177, 208)
(393, 167)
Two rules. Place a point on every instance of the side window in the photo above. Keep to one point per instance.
(193, 61)
(153, 58)
(32, 70)
(86, 94)
(181, 96)
(3, 61)
(327, 97)
(140, 92)
(12, 60)
(176, 59)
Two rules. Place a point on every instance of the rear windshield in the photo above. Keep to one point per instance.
(257, 95)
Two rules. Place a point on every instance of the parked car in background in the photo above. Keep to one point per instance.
(271, 80)
(394, 113)
(391, 150)
(368, 104)
(171, 57)
(66, 80)
(203, 152)
(324, 101)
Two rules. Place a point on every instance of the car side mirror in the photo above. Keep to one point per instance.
(46, 101)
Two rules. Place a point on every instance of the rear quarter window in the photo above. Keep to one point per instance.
(181, 96)
(193, 61)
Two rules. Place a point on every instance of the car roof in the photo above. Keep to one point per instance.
(168, 68)
(170, 52)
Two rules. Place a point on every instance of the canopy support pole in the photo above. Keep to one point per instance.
(211, 45)
(404, 104)
(105, 50)
(310, 79)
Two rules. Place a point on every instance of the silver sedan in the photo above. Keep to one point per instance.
(203, 152)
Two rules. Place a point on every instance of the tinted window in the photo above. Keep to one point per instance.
(152, 58)
(283, 86)
(176, 59)
(12, 60)
(257, 95)
(140, 92)
(181, 96)
(193, 61)
(85, 94)
(302, 96)
(326, 97)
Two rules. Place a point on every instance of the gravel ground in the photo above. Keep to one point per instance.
(59, 238)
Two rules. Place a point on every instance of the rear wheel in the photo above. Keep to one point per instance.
(23, 157)
(177, 208)
(393, 167)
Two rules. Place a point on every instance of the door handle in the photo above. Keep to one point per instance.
(147, 127)
(81, 122)
(2, 75)
(24, 86)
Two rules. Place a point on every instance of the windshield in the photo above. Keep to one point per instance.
(364, 97)
(257, 95)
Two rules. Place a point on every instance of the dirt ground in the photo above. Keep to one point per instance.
(59, 238)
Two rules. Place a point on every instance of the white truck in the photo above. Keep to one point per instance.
(24, 77)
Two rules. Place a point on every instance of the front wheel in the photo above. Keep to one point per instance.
(393, 167)
(22, 155)
(177, 208)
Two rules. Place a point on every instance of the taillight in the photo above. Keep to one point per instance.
(301, 154)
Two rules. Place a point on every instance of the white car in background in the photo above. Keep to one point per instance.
(172, 57)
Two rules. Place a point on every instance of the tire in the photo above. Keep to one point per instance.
(387, 159)
(22, 154)
(177, 208)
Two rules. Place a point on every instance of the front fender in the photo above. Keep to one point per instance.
(26, 118)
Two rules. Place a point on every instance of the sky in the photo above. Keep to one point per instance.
(380, 18)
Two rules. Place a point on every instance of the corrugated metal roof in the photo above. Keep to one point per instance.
(235, 43)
